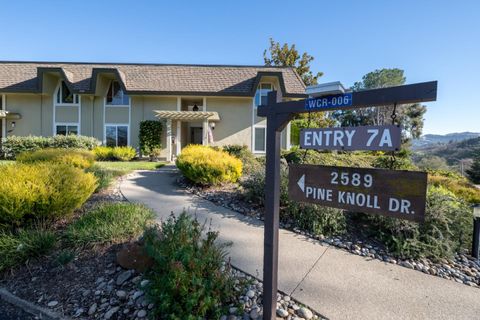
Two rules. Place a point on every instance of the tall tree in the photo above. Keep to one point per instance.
(288, 56)
(409, 116)
(474, 171)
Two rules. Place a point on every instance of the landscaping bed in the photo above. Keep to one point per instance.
(462, 268)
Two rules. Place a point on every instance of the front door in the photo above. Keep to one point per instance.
(196, 135)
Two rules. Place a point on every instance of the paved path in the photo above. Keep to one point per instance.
(334, 282)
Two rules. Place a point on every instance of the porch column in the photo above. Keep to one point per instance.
(205, 132)
(179, 138)
(169, 140)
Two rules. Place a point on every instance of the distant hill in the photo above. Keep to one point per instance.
(430, 140)
(452, 152)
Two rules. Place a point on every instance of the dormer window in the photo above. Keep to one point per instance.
(262, 93)
(116, 96)
(65, 95)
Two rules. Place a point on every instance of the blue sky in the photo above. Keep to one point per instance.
(430, 40)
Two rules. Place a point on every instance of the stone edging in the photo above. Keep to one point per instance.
(29, 307)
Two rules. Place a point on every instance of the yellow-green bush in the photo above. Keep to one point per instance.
(114, 154)
(42, 191)
(207, 166)
(457, 184)
(123, 153)
(78, 158)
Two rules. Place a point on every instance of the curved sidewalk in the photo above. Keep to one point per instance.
(337, 284)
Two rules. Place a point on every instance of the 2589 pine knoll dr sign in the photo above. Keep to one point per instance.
(384, 138)
(399, 194)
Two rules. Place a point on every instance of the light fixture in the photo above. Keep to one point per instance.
(13, 124)
(212, 125)
(476, 210)
(195, 107)
(325, 89)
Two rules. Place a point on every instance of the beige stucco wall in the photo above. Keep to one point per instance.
(117, 115)
(29, 106)
(235, 122)
(67, 114)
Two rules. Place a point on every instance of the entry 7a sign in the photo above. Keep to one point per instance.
(374, 138)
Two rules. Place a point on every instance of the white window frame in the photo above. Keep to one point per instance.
(263, 92)
(259, 126)
(105, 124)
(254, 113)
(57, 104)
(116, 105)
(68, 124)
(116, 125)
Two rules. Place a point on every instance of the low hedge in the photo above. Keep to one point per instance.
(103, 153)
(204, 165)
(78, 158)
(12, 146)
(44, 191)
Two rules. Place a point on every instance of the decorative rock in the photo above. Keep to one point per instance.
(111, 312)
(305, 313)
(250, 294)
(52, 304)
(133, 256)
(124, 276)
(254, 314)
(144, 283)
(407, 264)
(92, 309)
(142, 313)
(137, 294)
(121, 294)
(282, 313)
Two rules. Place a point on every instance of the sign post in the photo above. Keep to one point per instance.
(278, 115)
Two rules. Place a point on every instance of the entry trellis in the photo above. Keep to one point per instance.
(278, 115)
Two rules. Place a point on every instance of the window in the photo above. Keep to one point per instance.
(66, 130)
(260, 139)
(116, 135)
(65, 95)
(262, 93)
(116, 96)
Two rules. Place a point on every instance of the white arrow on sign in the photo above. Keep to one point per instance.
(301, 183)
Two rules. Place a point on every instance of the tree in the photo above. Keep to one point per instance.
(474, 171)
(288, 56)
(410, 117)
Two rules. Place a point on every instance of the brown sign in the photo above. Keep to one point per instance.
(398, 194)
(381, 138)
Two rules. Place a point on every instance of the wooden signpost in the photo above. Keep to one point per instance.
(278, 115)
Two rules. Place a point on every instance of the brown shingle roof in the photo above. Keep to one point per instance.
(151, 78)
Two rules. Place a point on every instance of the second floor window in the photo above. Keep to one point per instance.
(262, 93)
(65, 95)
(116, 96)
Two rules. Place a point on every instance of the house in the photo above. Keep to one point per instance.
(203, 104)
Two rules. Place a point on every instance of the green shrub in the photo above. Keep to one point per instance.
(114, 153)
(150, 137)
(123, 153)
(16, 248)
(188, 279)
(349, 159)
(42, 191)
(455, 183)
(103, 153)
(78, 158)
(109, 223)
(447, 228)
(207, 166)
(249, 162)
(13, 145)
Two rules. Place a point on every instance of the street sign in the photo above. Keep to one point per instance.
(382, 138)
(329, 102)
(398, 194)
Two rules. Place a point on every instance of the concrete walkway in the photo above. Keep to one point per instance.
(334, 282)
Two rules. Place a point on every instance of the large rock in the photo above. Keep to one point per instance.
(133, 256)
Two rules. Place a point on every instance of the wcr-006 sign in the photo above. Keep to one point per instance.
(399, 194)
